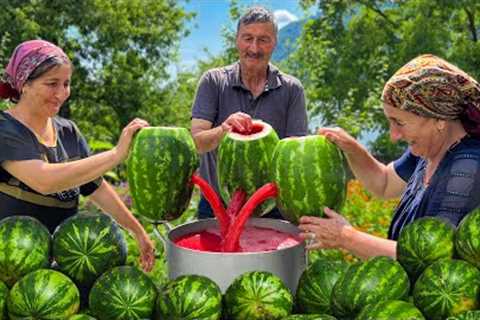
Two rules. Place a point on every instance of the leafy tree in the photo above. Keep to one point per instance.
(346, 55)
(120, 49)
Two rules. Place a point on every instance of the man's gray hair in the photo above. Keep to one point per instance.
(258, 14)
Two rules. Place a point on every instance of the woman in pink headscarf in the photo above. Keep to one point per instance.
(435, 107)
(45, 162)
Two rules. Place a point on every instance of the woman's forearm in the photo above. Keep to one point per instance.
(108, 200)
(365, 245)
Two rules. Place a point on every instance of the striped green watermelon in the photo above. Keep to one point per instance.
(467, 315)
(43, 294)
(3, 300)
(257, 295)
(467, 238)
(315, 286)
(447, 288)
(87, 245)
(390, 309)
(81, 317)
(423, 242)
(160, 166)
(310, 317)
(310, 175)
(189, 297)
(24, 247)
(375, 280)
(244, 162)
(122, 293)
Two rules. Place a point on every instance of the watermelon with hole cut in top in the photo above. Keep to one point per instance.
(159, 170)
(310, 175)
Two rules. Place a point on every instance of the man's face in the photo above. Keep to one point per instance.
(255, 44)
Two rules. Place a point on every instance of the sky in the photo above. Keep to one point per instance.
(213, 15)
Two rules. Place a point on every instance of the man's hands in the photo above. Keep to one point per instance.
(239, 122)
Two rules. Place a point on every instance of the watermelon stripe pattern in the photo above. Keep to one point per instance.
(3, 300)
(310, 317)
(87, 245)
(257, 295)
(447, 288)
(159, 169)
(390, 309)
(244, 162)
(123, 293)
(24, 247)
(375, 280)
(43, 294)
(315, 286)
(310, 174)
(190, 297)
(81, 317)
(423, 242)
(467, 315)
(467, 238)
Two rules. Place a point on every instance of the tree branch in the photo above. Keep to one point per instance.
(377, 10)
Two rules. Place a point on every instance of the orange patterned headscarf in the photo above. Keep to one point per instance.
(431, 87)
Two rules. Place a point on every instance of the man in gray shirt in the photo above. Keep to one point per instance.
(229, 97)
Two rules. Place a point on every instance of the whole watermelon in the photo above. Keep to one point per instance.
(244, 162)
(159, 169)
(315, 286)
(423, 242)
(43, 294)
(310, 317)
(310, 175)
(24, 247)
(87, 245)
(447, 288)
(375, 280)
(190, 297)
(122, 293)
(467, 315)
(467, 238)
(390, 309)
(3, 300)
(257, 295)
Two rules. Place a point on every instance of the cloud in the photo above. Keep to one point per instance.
(284, 17)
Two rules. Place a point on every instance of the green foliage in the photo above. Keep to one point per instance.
(351, 48)
(120, 50)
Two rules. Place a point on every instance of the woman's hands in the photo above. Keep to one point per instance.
(147, 250)
(341, 138)
(123, 145)
(325, 233)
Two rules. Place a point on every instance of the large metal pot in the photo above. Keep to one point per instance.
(221, 267)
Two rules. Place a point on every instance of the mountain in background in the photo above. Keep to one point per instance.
(287, 40)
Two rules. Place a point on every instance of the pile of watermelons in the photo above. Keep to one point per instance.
(44, 277)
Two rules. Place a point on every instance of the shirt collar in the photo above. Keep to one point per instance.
(273, 77)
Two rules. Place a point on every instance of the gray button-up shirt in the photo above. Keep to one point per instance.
(221, 93)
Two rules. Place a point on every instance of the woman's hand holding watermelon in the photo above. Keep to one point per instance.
(325, 232)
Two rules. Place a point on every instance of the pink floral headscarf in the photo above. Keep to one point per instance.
(25, 59)
(431, 87)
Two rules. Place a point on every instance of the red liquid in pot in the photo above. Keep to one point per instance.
(252, 239)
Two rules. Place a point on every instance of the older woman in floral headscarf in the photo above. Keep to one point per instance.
(45, 163)
(435, 107)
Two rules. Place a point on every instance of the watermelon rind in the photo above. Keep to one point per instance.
(244, 161)
(159, 170)
(310, 175)
(43, 294)
(189, 297)
(25, 246)
(86, 245)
